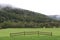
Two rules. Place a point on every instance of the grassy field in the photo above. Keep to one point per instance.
(5, 34)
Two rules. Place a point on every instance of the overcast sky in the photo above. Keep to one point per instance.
(48, 7)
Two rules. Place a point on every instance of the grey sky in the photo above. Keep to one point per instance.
(48, 7)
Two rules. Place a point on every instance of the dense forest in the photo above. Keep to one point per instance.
(11, 17)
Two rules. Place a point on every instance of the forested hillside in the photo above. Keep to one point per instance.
(19, 18)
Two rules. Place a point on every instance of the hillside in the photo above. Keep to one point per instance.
(56, 17)
(16, 17)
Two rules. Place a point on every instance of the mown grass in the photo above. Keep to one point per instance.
(31, 38)
(5, 34)
(37, 38)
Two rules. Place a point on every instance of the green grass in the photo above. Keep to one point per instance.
(37, 38)
(5, 34)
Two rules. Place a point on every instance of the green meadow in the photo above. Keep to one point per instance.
(5, 34)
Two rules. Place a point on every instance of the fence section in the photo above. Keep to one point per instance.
(31, 33)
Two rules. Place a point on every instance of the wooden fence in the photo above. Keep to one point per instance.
(31, 33)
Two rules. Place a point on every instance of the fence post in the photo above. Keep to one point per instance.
(38, 33)
(24, 33)
(10, 36)
(51, 33)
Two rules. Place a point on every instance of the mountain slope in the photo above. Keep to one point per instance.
(16, 18)
(16, 14)
(56, 17)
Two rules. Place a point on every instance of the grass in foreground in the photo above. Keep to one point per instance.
(31, 38)
(4, 34)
